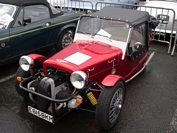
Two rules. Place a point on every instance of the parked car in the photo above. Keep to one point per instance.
(27, 26)
(110, 48)
(166, 12)
(167, 17)
(92, 5)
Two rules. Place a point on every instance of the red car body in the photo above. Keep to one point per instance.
(102, 54)
(105, 55)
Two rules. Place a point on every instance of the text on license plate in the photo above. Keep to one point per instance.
(40, 114)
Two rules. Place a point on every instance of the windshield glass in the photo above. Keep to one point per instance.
(112, 29)
(6, 13)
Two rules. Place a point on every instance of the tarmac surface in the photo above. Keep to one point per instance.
(150, 107)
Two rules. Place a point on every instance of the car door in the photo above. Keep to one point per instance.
(138, 45)
(7, 12)
(137, 50)
(5, 51)
(31, 29)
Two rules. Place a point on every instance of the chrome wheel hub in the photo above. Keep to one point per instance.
(67, 39)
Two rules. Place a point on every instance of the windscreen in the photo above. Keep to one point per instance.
(113, 29)
(6, 13)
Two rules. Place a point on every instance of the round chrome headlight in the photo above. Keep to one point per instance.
(78, 79)
(26, 62)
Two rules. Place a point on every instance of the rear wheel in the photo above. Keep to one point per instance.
(109, 106)
(65, 39)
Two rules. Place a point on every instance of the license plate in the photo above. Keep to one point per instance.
(40, 114)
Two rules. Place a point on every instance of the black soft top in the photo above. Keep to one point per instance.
(133, 17)
(22, 3)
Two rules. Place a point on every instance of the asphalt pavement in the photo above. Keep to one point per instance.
(150, 106)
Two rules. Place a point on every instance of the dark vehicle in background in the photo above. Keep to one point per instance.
(110, 48)
(29, 25)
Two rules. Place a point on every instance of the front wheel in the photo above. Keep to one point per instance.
(66, 38)
(24, 74)
(20, 72)
(109, 106)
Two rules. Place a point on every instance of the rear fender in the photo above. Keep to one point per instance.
(38, 57)
(68, 26)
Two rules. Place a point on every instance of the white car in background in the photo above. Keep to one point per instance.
(166, 12)
(167, 17)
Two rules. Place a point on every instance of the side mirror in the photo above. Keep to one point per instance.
(26, 20)
(138, 46)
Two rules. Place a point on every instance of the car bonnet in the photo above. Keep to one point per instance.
(84, 55)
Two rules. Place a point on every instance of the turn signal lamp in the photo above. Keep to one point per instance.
(19, 79)
(79, 100)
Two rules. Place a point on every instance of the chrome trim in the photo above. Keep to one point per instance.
(147, 62)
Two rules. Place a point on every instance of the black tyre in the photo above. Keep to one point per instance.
(109, 106)
(20, 72)
(65, 39)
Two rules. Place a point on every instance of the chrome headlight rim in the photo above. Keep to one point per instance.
(78, 79)
(26, 62)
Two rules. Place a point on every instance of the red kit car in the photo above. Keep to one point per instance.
(110, 48)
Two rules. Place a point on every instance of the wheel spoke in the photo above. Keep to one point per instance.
(110, 100)
(67, 39)
(115, 105)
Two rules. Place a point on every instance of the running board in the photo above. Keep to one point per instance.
(147, 62)
(149, 59)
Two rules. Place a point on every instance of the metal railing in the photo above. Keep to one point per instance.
(78, 5)
(165, 32)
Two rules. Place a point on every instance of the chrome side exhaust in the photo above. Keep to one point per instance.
(147, 62)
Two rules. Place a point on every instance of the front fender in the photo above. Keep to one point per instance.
(38, 57)
(111, 80)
